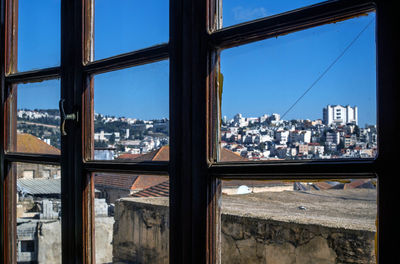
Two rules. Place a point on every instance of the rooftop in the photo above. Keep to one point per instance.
(353, 209)
(27, 143)
(39, 186)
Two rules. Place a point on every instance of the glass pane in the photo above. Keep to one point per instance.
(38, 34)
(37, 118)
(131, 218)
(298, 222)
(239, 11)
(38, 213)
(131, 120)
(122, 26)
(306, 95)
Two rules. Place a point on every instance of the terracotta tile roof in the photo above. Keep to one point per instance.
(361, 183)
(159, 190)
(227, 155)
(27, 143)
(121, 181)
(161, 154)
(146, 181)
(323, 185)
(128, 156)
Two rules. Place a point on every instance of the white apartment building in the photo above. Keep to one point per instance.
(300, 136)
(333, 137)
(282, 136)
(340, 115)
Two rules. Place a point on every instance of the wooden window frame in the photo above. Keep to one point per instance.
(193, 52)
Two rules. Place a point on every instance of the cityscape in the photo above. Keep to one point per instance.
(268, 137)
(336, 135)
(138, 202)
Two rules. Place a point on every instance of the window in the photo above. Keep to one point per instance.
(190, 164)
(27, 246)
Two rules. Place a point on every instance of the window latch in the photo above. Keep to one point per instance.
(65, 117)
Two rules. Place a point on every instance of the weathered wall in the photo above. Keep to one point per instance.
(141, 236)
(39, 170)
(141, 231)
(46, 236)
(49, 242)
(103, 239)
(252, 240)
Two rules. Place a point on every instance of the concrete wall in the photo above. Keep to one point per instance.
(103, 239)
(141, 233)
(39, 170)
(46, 237)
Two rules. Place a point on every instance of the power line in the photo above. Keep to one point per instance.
(329, 67)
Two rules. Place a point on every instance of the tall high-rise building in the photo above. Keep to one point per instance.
(340, 115)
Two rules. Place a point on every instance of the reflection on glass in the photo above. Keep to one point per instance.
(131, 120)
(38, 213)
(124, 26)
(38, 118)
(306, 95)
(239, 11)
(131, 218)
(298, 222)
(38, 34)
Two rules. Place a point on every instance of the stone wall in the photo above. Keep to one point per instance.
(38, 170)
(252, 240)
(45, 236)
(141, 233)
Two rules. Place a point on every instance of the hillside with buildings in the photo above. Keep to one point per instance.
(268, 137)
(306, 213)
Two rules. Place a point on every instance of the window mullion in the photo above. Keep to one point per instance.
(8, 57)
(74, 181)
(288, 22)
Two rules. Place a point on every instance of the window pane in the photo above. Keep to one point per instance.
(38, 213)
(131, 218)
(37, 118)
(122, 26)
(239, 11)
(38, 34)
(298, 222)
(131, 120)
(306, 95)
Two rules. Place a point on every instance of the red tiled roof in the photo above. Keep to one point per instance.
(128, 156)
(356, 184)
(27, 143)
(121, 181)
(161, 154)
(159, 190)
(146, 181)
(323, 185)
(227, 155)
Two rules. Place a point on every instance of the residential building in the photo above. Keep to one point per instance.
(340, 115)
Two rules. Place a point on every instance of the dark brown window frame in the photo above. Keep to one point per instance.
(193, 49)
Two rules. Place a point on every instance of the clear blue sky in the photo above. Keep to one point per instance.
(263, 77)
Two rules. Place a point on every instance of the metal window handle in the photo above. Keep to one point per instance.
(65, 117)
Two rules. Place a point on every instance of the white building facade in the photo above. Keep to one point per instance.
(340, 115)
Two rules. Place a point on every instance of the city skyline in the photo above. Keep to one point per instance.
(273, 73)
